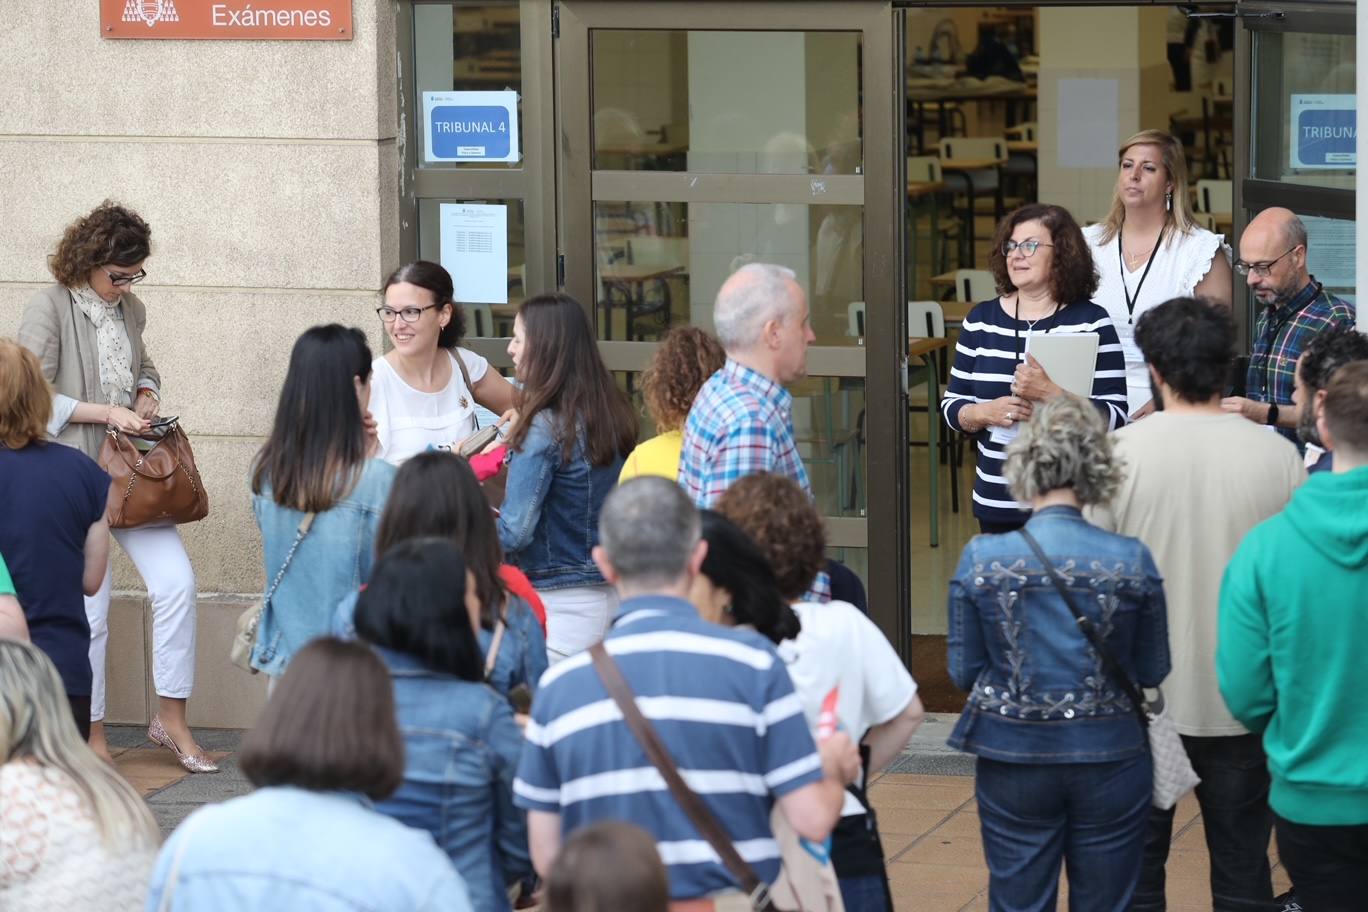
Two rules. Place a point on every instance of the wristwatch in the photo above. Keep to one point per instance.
(1272, 418)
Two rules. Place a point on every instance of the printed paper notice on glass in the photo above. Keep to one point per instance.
(475, 251)
(1324, 132)
(470, 127)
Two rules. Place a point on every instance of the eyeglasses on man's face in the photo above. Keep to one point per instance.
(121, 279)
(1261, 269)
(1027, 248)
(407, 314)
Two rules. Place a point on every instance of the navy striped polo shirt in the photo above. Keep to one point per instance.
(724, 706)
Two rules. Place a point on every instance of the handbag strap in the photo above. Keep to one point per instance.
(470, 388)
(304, 525)
(693, 806)
(1090, 631)
(493, 656)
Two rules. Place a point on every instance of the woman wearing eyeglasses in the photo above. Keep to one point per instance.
(421, 395)
(1045, 279)
(1150, 249)
(87, 331)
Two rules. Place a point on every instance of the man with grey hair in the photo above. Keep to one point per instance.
(1294, 309)
(742, 419)
(719, 698)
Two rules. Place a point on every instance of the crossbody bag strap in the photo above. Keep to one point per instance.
(693, 806)
(470, 387)
(304, 525)
(1108, 660)
(493, 657)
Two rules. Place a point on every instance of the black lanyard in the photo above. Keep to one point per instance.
(1121, 258)
(1272, 337)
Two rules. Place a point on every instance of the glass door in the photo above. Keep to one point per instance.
(695, 137)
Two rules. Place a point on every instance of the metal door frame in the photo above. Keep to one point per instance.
(882, 363)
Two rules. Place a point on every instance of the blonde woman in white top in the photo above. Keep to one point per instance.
(1150, 249)
(419, 395)
(73, 833)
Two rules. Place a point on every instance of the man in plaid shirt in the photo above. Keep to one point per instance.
(742, 419)
(1295, 309)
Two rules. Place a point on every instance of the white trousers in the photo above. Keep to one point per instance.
(576, 618)
(160, 557)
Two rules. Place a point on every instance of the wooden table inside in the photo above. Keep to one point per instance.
(1024, 146)
(971, 164)
(918, 189)
(625, 273)
(922, 346)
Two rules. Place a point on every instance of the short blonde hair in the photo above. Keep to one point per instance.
(1064, 445)
(26, 407)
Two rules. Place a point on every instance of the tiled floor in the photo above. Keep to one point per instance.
(929, 825)
(930, 832)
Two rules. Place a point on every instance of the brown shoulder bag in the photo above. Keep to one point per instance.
(160, 484)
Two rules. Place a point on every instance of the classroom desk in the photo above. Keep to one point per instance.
(630, 280)
(925, 349)
(1017, 96)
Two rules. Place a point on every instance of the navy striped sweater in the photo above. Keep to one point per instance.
(985, 361)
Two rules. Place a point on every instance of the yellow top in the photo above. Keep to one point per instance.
(657, 456)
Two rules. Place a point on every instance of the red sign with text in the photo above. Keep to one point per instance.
(294, 20)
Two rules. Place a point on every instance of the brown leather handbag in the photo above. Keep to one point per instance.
(160, 484)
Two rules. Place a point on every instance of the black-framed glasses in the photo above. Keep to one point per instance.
(1261, 269)
(120, 279)
(1027, 248)
(407, 314)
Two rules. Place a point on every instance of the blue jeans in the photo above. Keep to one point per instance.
(864, 894)
(1090, 815)
(1238, 823)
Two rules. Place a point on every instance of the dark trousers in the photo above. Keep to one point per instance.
(1089, 815)
(80, 710)
(1238, 823)
(1327, 864)
(998, 528)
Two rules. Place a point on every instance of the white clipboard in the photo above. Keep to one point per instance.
(1069, 358)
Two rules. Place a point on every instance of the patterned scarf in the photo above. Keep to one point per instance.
(115, 353)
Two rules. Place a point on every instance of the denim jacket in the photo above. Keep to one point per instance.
(522, 654)
(461, 749)
(549, 521)
(1038, 690)
(333, 559)
(289, 848)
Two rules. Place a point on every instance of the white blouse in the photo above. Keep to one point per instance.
(51, 853)
(411, 420)
(1182, 262)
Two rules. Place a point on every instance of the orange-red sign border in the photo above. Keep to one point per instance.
(231, 20)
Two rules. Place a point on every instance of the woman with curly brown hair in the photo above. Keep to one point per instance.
(1045, 278)
(87, 331)
(686, 358)
(837, 649)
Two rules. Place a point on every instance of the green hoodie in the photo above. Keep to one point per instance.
(1293, 640)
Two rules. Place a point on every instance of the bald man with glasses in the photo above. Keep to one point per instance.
(1293, 309)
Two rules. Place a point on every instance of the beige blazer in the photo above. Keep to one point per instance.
(63, 338)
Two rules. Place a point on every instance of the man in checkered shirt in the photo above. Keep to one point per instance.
(742, 419)
(1294, 310)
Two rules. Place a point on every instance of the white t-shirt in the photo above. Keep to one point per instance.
(1182, 261)
(411, 420)
(839, 646)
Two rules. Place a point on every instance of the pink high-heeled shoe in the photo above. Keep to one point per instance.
(194, 764)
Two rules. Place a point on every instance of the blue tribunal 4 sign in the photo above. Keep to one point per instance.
(470, 126)
(1324, 132)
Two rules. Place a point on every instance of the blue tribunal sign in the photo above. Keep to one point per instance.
(1324, 132)
(470, 126)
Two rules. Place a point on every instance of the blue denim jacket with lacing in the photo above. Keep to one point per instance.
(548, 524)
(1038, 690)
(461, 751)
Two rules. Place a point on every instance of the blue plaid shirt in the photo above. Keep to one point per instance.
(741, 423)
(1281, 334)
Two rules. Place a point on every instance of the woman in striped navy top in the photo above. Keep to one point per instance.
(1045, 277)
